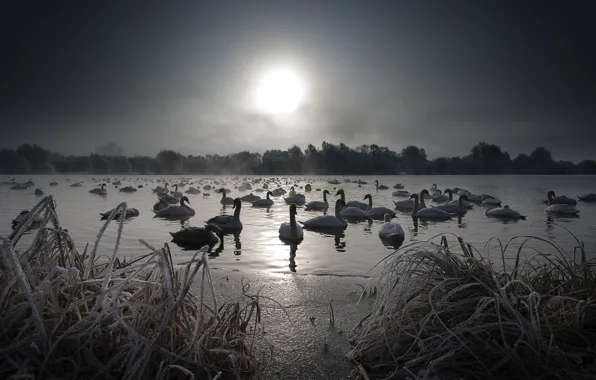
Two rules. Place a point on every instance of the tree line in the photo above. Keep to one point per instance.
(484, 158)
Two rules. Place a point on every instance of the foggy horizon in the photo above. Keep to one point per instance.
(439, 76)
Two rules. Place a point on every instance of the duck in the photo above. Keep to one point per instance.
(357, 204)
(308, 187)
(318, 205)
(587, 197)
(250, 198)
(128, 189)
(428, 213)
(559, 208)
(391, 229)
(193, 190)
(380, 187)
(290, 231)
(53, 183)
(100, 191)
(560, 200)
(161, 190)
(176, 193)
(198, 237)
(265, 202)
(278, 192)
(503, 213)
(130, 212)
(398, 186)
(38, 192)
(176, 210)
(225, 200)
(328, 222)
(229, 223)
(458, 208)
(76, 184)
(376, 212)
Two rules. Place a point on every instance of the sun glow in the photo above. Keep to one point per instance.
(279, 91)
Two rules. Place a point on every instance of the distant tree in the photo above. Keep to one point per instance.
(120, 164)
(37, 157)
(170, 162)
(522, 164)
(587, 167)
(413, 160)
(13, 163)
(490, 159)
(100, 164)
(109, 149)
(542, 161)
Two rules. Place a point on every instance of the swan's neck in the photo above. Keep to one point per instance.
(293, 229)
(460, 204)
(338, 211)
(268, 197)
(223, 194)
(415, 210)
(450, 196)
(369, 203)
(421, 201)
(237, 212)
(343, 196)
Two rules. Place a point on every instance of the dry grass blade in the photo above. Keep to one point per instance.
(444, 312)
(67, 315)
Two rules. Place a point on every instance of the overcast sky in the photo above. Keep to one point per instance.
(442, 75)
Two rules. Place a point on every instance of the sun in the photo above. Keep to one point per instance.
(279, 91)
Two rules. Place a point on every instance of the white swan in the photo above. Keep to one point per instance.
(328, 222)
(357, 204)
(377, 212)
(442, 198)
(489, 200)
(587, 197)
(229, 223)
(100, 191)
(169, 198)
(380, 187)
(161, 190)
(177, 193)
(53, 183)
(193, 190)
(401, 193)
(408, 204)
(428, 213)
(249, 198)
(391, 229)
(558, 208)
(176, 210)
(458, 208)
(265, 202)
(225, 200)
(128, 189)
(433, 192)
(563, 200)
(318, 205)
(38, 192)
(308, 187)
(290, 231)
(37, 219)
(504, 213)
(295, 198)
(130, 212)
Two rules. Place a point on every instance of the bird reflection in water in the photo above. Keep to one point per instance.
(293, 249)
(237, 244)
(340, 246)
(368, 227)
(414, 226)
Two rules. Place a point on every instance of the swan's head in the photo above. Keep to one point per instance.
(448, 191)
(463, 197)
(293, 209)
(414, 197)
(506, 206)
(340, 202)
(424, 192)
(292, 188)
(339, 192)
(237, 203)
(269, 194)
(184, 199)
(550, 194)
(368, 196)
(377, 182)
(387, 218)
(326, 191)
(103, 185)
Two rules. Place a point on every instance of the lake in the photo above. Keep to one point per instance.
(258, 247)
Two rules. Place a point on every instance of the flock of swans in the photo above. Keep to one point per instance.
(173, 203)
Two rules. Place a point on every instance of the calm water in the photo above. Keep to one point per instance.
(258, 247)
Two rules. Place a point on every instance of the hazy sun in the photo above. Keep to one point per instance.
(279, 91)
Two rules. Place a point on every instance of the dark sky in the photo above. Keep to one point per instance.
(442, 75)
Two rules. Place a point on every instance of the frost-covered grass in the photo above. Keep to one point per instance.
(66, 314)
(448, 312)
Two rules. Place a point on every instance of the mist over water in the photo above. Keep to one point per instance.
(258, 247)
